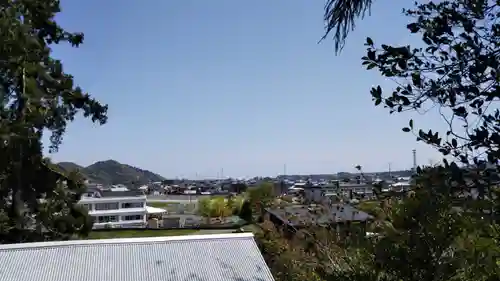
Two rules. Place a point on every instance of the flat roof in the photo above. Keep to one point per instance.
(88, 200)
(117, 211)
(154, 210)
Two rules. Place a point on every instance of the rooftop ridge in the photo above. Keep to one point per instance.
(138, 240)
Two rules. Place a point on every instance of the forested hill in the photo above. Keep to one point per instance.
(112, 172)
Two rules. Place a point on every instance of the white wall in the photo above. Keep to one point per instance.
(119, 213)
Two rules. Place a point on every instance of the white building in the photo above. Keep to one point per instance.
(321, 194)
(400, 186)
(119, 187)
(120, 209)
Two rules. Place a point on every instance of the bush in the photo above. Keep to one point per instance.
(246, 212)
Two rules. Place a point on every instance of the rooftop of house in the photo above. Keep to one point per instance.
(193, 257)
(355, 185)
(342, 185)
(128, 193)
(298, 215)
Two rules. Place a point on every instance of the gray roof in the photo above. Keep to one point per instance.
(192, 258)
(346, 212)
(296, 215)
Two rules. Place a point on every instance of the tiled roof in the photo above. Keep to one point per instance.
(217, 257)
(299, 214)
(347, 212)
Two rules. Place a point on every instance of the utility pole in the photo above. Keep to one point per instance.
(390, 172)
(282, 183)
(414, 153)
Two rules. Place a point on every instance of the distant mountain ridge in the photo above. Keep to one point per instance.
(113, 172)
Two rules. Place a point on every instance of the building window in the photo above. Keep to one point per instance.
(132, 218)
(106, 206)
(104, 219)
(132, 205)
(87, 206)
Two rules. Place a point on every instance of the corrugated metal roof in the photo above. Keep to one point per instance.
(216, 257)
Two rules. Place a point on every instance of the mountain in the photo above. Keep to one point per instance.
(69, 166)
(112, 172)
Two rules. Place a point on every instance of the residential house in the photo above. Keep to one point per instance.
(341, 216)
(213, 257)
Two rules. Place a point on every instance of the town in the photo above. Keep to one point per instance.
(249, 141)
(174, 203)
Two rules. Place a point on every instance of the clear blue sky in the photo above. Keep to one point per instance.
(195, 86)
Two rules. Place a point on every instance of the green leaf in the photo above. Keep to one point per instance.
(406, 129)
(371, 55)
(417, 81)
(413, 27)
(402, 64)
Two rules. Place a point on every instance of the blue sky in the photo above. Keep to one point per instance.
(199, 86)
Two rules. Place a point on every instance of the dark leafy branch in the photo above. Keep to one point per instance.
(340, 17)
(37, 96)
(457, 72)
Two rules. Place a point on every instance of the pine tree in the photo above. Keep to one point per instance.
(37, 201)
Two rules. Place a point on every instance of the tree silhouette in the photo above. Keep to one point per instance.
(37, 97)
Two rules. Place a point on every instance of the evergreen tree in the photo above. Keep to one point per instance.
(37, 201)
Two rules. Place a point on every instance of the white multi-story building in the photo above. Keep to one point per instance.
(320, 194)
(116, 209)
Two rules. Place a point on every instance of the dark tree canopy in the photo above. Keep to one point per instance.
(438, 230)
(238, 187)
(261, 197)
(456, 72)
(34, 86)
(37, 96)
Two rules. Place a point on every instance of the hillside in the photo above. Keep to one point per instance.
(112, 172)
